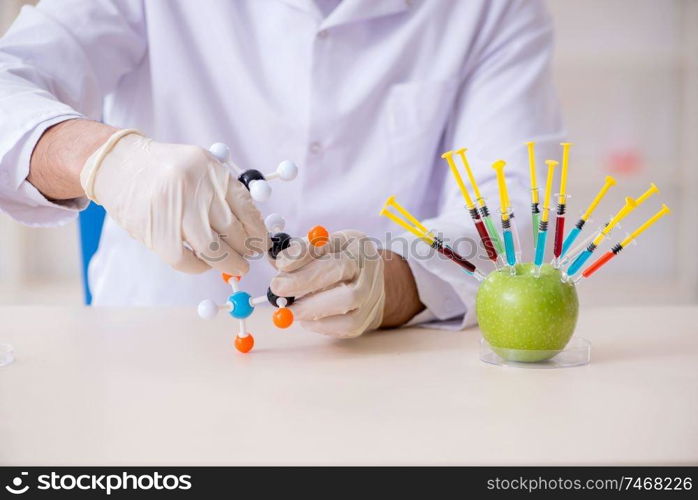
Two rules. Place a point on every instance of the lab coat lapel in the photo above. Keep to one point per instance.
(349, 11)
(307, 6)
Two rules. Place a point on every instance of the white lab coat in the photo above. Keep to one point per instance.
(364, 100)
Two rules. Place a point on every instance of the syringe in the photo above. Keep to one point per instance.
(571, 255)
(535, 210)
(410, 223)
(545, 217)
(561, 203)
(630, 205)
(509, 245)
(470, 206)
(574, 232)
(484, 210)
(514, 231)
(601, 261)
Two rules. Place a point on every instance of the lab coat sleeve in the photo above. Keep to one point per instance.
(506, 98)
(58, 61)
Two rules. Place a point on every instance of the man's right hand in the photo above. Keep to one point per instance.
(178, 200)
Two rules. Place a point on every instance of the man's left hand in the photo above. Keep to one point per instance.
(347, 286)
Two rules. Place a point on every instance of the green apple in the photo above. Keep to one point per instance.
(525, 317)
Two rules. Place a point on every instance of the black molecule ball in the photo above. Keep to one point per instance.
(279, 242)
(250, 175)
(272, 298)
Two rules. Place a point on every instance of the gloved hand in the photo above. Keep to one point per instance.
(339, 287)
(178, 200)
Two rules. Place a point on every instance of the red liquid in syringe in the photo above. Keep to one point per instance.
(447, 252)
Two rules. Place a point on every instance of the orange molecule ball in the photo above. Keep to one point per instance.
(283, 317)
(318, 236)
(244, 344)
(226, 277)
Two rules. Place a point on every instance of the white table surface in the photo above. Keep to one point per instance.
(160, 386)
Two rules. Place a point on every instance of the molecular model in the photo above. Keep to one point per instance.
(240, 304)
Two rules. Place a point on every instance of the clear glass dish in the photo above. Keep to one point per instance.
(577, 352)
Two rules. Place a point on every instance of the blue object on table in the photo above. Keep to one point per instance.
(90, 224)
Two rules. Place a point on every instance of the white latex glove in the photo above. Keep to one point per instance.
(178, 200)
(339, 287)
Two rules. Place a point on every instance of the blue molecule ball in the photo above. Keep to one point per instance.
(241, 305)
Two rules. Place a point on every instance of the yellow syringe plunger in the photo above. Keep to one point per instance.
(498, 166)
(650, 191)
(418, 229)
(548, 189)
(562, 199)
(397, 220)
(532, 170)
(646, 225)
(469, 172)
(448, 156)
(608, 184)
(392, 202)
(630, 205)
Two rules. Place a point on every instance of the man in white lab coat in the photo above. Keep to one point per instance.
(364, 95)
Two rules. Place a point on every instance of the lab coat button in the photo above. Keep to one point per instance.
(315, 148)
(322, 34)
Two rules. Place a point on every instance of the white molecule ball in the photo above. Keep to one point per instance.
(207, 309)
(260, 190)
(287, 170)
(274, 223)
(220, 151)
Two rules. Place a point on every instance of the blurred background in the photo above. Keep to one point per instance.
(627, 75)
